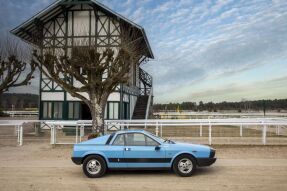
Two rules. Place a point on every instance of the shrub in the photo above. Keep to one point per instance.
(93, 135)
(2, 114)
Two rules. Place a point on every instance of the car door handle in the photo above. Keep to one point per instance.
(127, 149)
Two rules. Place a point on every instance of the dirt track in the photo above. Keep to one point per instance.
(39, 167)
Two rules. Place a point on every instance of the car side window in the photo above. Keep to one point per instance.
(151, 142)
(135, 139)
(119, 140)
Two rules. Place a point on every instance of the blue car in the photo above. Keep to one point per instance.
(138, 149)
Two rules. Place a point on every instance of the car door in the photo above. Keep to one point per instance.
(115, 152)
(141, 151)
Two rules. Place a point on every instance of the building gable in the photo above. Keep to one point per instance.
(42, 21)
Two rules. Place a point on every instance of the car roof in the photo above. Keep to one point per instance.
(131, 131)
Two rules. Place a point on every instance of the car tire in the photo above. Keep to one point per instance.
(94, 166)
(184, 165)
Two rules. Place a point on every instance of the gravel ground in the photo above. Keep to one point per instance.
(37, 166)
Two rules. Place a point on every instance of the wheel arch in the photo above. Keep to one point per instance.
(183, 153)
(95, 154)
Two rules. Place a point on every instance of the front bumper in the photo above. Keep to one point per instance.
(205, 161)
(77, 160)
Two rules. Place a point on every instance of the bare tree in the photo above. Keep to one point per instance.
(99, 72)
(14, 71)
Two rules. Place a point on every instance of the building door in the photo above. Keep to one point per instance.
(126, 110)
(85, 112)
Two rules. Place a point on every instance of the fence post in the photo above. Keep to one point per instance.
(21, 135)
(55, 134)
(200, 130)
(209, 134)
(52, 135)
(278, 130)
(18, 134)
(82, 132)
(264, 134)
(16, 130)
(241, 126)
(156, 129)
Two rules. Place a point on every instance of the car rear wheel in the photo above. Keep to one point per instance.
(94, 166)
(184, 165)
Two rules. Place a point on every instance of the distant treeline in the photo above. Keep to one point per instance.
(22, 101)
(277, 104)
(18, 101)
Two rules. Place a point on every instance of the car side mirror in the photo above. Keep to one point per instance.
(157, 148)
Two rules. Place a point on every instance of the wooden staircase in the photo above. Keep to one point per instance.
(140, 108)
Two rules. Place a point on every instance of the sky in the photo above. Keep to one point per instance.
(225, 50)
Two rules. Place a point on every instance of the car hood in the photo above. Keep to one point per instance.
(192, 146)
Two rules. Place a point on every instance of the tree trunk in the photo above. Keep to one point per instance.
(97, 113)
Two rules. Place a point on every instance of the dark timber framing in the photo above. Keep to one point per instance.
(54, 28)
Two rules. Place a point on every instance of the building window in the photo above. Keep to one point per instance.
(126, 110)
(52, 110)
(47, 110)
(58, 110)
(77, 52)
(74, 110)
(113, 110)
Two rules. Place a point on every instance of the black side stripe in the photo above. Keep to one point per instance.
(140, 160)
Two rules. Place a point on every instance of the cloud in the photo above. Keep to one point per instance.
(227, 44)
(196, 41)
(14, 12)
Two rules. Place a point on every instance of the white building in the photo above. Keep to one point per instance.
(67, 23)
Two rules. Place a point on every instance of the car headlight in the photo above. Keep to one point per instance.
(212, 153)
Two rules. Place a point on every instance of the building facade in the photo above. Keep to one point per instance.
(69, 23)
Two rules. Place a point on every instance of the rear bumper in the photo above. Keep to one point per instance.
(205, 161)
(77, 160)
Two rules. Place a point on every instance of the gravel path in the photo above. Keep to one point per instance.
(39, 167)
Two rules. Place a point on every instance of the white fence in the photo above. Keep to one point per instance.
(18, 125)
(160, 125)
(205, 129)
(21, 113)
(203, 114)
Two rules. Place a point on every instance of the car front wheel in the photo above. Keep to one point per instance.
(94, 166)
(184, 165)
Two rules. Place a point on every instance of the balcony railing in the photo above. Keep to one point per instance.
(146, 81)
